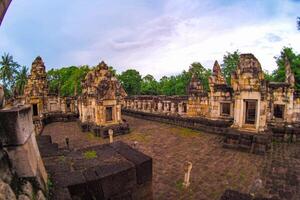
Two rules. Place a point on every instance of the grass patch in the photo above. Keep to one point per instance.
(91, 136)
(90, 154)
(179, 185)
(139, 137)
(62, 158)
(186, 132)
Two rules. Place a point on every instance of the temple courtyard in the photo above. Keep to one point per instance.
(215, 169)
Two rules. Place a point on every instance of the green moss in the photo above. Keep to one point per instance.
(179, 185)
(91, 136)
(139, 137)
(186, 132)
(90, 154)
(62, 158)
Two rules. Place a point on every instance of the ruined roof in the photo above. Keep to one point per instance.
(101, 84)
(195, 87)
(217, 76)
(37, 84)
(216, 68)
(248, 63)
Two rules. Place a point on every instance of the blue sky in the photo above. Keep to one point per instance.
(160, 37)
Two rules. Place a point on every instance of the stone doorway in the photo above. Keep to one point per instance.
(250, 117)
(35, 110)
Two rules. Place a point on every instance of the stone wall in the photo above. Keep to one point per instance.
(197, 123)
(20, 151)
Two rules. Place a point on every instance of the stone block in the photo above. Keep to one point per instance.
(15, 125)
(142, 162)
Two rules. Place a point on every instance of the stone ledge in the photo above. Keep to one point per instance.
(102, 131)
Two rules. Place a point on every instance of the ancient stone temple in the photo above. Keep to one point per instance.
(250, 94)
(36, 89)
(220, 95)
(100, 103)
(248, 111)
(198, 102)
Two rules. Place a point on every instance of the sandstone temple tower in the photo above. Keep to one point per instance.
(36, 89)
(100, 103)
(250, 95)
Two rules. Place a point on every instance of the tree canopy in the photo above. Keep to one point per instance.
(230, 63)
(131, 81)
(66, 81)
(8, 71)
(294, 59)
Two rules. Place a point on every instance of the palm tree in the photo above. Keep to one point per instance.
(21, 80)
(8, 70)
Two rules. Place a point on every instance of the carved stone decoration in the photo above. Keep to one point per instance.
(195, 87)
(289, 76)
(217, 74)
(37, 84)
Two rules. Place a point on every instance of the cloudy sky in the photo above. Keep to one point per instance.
(160, 37)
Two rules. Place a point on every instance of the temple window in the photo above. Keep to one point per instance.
(108, 113)
(225, 109)
(278, 111)
(250, 111)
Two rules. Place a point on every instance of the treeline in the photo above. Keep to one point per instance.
(66, 81)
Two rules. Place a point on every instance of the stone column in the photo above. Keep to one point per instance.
(159, 107)
(139, 103)
(173, 108)
(180, 108)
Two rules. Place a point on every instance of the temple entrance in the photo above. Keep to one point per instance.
(108, 114)
(35, 110)
(250, 111)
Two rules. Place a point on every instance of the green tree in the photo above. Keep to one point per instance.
(202, 73)
(149, 85)
(21, 80)
(131, 80)
(8, 72)
(230, 63)
(294, 59)
(268, 76)
(66, 81)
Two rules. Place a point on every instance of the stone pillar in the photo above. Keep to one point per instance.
(17, 136)
(180, 108)
(159, 107)
(139, 105)
(149, 106)
(173, 108)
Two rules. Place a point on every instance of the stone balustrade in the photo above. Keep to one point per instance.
(171, 105)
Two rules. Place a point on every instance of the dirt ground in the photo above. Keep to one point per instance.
(215, 169)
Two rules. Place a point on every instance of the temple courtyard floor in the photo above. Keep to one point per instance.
(215, 169)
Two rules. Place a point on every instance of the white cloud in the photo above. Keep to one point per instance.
(165, 37)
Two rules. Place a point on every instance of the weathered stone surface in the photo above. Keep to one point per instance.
(27, 189)
(15, 125)
(6, 193)
(40, 195)
(23, 197)
(5, 167)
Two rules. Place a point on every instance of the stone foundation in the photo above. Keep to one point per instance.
(115, 171)
(102, 131)
(247, 141)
